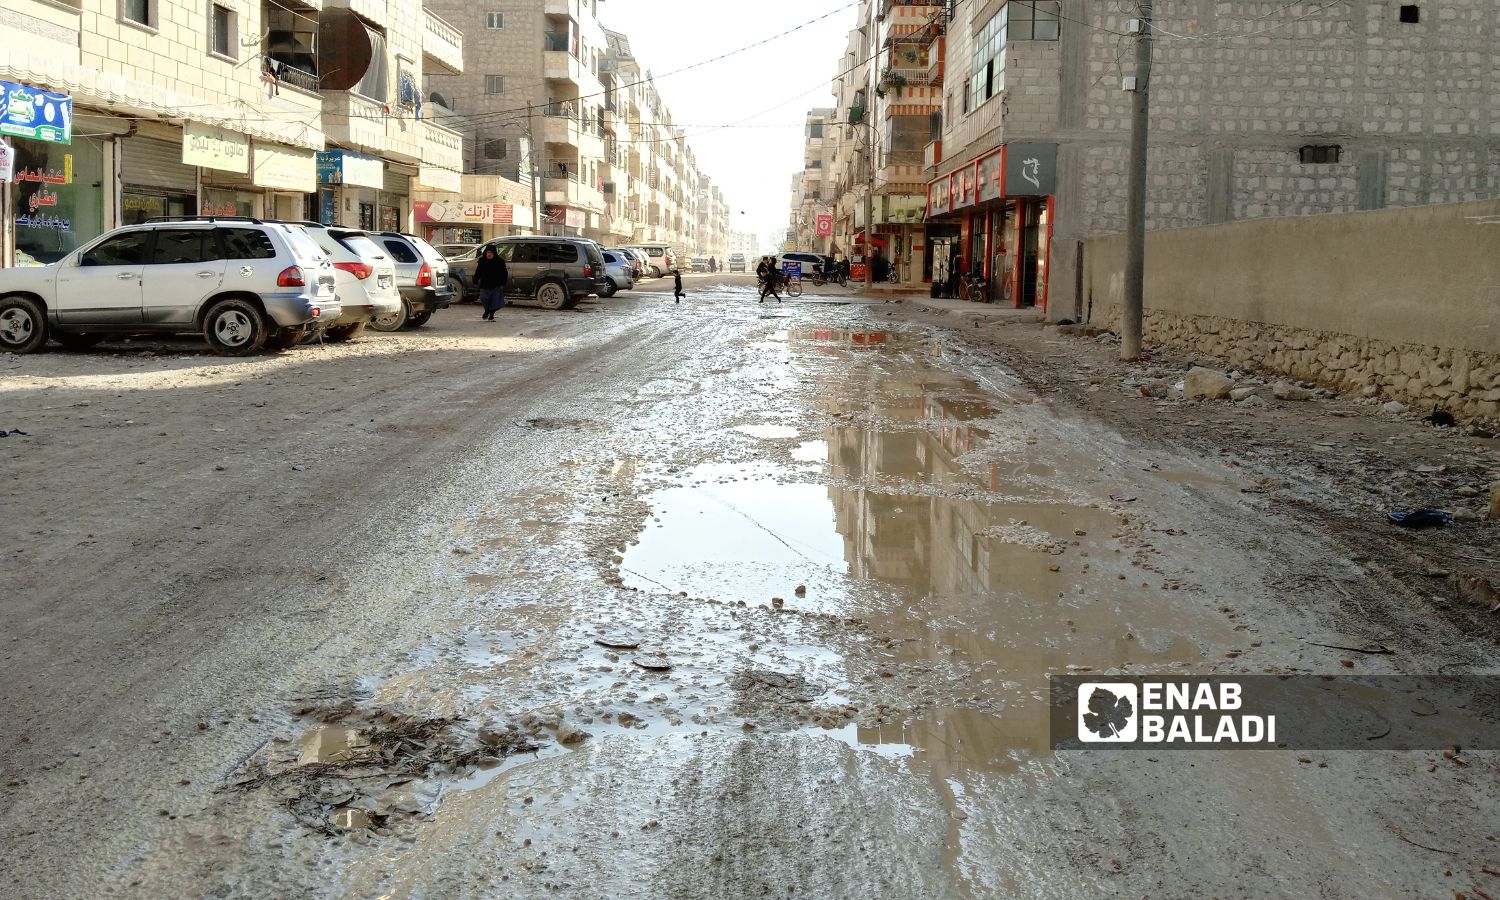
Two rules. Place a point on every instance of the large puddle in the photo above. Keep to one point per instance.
(911, 499)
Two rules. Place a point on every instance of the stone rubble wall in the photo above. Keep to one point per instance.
(1465, 382)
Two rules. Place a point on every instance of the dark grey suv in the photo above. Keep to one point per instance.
(553, 272)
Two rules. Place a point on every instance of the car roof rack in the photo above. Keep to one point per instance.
(251, 219)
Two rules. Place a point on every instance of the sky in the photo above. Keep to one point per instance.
(753, 166)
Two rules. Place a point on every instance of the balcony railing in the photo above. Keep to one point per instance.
(557, 42)
(297, 78)
(442, 43)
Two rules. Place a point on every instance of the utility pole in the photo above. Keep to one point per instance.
(869, 201)
(1135, 217)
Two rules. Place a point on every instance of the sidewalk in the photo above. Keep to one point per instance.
(909, 294)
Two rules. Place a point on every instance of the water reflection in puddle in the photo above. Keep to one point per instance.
(768, 431)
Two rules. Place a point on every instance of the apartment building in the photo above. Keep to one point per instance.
(1258, 108)
(114, 113)
(813, 213)
(530, 104)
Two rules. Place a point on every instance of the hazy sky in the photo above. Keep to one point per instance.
(753, 166)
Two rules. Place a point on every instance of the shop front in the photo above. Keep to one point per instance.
(154, 180)
(993, 218)
(456, 222)
(350, 188)
(52, 186)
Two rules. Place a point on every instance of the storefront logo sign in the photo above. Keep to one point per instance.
(284, 168)
(215, 148)
(1030, 170)
(29, 112)
(344, 167)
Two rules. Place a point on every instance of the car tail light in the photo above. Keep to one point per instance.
(424, 276)
(357, 269)
(317, 311)
(291, 276)
(588, 271)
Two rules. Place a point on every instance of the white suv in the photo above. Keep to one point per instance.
(366, 279)
(241, 283)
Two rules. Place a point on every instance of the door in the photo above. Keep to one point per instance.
(521, 260)
(185, 268)
(104, 286)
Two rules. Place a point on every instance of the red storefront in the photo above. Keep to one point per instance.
(1002, 205)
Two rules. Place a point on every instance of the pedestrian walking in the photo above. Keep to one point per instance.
(492, 276)
(713, 264)
(773, 282)
(677, 285)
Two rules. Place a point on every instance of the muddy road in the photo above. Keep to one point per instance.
(713, 600)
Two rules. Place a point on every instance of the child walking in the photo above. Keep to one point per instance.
(677, 285)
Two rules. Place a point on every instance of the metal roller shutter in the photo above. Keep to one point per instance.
(398, 183)
(147, 162)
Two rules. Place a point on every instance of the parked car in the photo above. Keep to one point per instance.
(736, 262)
(242, 283)
(633, 259)
(421, 277)
(619, 272)
(555, 272)
(700, 264)
(661, 258)
(366, 279)
(645, 260)
(450, 251)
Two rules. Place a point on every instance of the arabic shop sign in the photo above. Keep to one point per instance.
(33, 113)
(1030, 170)
(215, 148)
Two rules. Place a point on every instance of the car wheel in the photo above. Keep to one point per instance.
(341, 333)
(234, 328)
(285, 338)
(418, 320)
(76, 341)
(552, 295)
(459, 291)
(655, 272)
(392, 321)
(609, 288)
(23, 325)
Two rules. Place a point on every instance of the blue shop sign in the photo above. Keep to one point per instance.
(33, 113)
(346, 167)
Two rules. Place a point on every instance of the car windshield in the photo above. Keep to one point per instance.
(429, 252)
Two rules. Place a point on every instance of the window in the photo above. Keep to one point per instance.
(523, 253)
(127, 249)
(1033, 20)
(399, 250)
(141, 12)
(1411, 14)
(557, 253)
(221, 40)
(815, 164)
(495, 149)
(360, 245)
(494, 84)
(175, 246)
(1314, 154)
(815, 130)
(494, 20)
(291, 42)
(246, 243)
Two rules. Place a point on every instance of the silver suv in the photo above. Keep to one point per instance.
(242, 283)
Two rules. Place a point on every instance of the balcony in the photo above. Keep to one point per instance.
(568, 8)
(568, 191)
(562, 130)
(935, 56)
(932, 155)
(350, 120)
(442, 158)
(442, 46)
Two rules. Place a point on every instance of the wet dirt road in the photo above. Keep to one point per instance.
(710, 600)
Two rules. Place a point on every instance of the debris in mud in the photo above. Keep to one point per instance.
(1122, 498)
(1420, 518)
(360, 769)
(653, 663)
(14, 432)
(1477, 592)
(618, 642)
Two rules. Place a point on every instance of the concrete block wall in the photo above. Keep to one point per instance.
(1398, 303)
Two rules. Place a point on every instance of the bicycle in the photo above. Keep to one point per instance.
(973, 288)
(794, 286)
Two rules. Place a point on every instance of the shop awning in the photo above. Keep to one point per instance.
(859, 239)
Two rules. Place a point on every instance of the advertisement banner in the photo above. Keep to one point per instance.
(346, 167)
(990, 186)
(7, 163)
(464, 213)
(33, 113)
(215, 148)
(825, 226)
